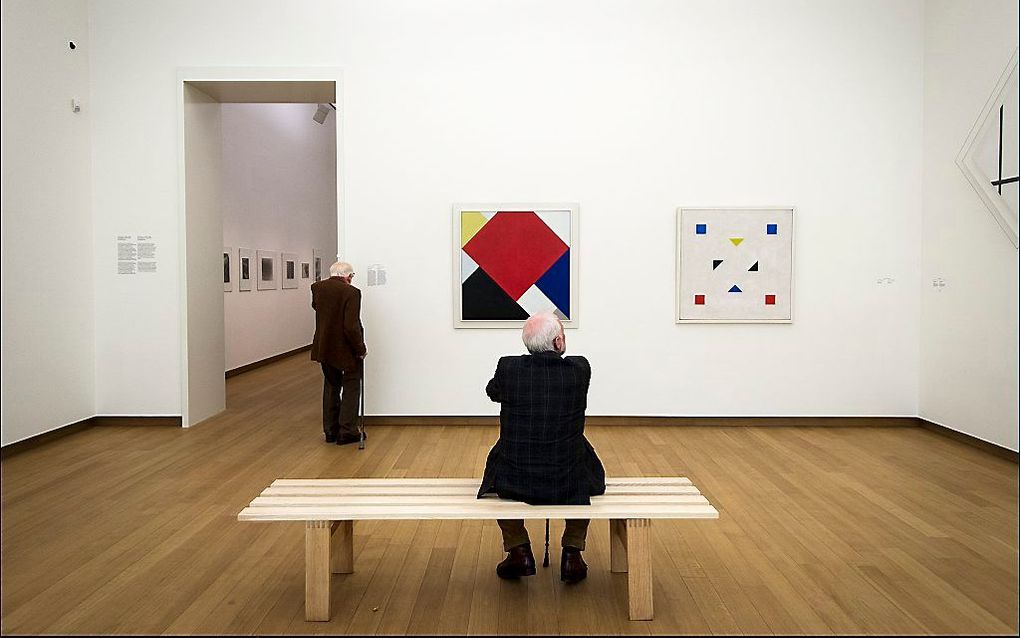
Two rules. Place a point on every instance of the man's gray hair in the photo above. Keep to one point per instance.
(539, 332)
(340, 269)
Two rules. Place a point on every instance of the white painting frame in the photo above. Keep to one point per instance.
(680, 288)
(229, 269)
(289, 270)
(270, 258)
(574, 245)
(243, 284)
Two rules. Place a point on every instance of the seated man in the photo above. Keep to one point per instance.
(542, 457)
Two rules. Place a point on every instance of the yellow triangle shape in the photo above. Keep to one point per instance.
(736, 240)
(470, 224)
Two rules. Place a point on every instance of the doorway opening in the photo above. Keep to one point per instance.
(261, 216)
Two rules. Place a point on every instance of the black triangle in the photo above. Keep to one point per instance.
(753, 268)
(715, 263)
(482, 298)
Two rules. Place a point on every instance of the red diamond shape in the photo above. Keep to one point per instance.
(515, 249)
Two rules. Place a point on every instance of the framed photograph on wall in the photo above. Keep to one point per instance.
(306, 270)
(290, 270)
(268, 264)
(228, 270)
(318, 269)
(245, 268)
(513, 260)
(734, 265)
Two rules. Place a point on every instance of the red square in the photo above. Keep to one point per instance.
(770, 300)
(699, 300)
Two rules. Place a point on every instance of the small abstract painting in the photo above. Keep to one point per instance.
(305, 270)
(512, 261)
(734, 265)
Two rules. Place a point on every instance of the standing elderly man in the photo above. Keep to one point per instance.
(339, 345)
(542, 457)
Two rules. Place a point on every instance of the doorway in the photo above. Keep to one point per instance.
(202, 96)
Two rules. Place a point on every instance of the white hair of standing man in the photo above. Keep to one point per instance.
(540, 330)
(340, 269)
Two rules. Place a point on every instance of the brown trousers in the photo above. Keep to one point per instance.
(340, 394)
(514, 533)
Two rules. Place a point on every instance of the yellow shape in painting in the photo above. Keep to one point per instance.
(470, 223)
(736, 240)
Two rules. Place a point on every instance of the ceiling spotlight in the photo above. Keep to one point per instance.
(322, 112)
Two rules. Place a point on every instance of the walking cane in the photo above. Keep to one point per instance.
(545, 561)
(361, 409)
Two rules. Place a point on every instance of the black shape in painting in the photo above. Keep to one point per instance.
(290, 269)
(245, 272)
(267, 269)
(226, 268)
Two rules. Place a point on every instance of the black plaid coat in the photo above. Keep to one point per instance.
(542, 457)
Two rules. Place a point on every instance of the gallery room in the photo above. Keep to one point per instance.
(510, 317)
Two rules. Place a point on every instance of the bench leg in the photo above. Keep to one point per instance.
(639, 577)
(317, 570)
(342, 547)
(618, 545)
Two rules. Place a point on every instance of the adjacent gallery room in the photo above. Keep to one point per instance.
(782, 236)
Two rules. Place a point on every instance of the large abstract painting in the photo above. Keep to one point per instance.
(734, 265)
(512, 261)
(989, 158)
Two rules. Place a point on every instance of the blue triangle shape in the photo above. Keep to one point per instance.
(735, 289)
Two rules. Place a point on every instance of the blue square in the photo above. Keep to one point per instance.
(701, 229)
(771, 229)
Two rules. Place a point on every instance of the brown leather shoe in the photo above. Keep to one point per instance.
(572, 567)
(519, 562)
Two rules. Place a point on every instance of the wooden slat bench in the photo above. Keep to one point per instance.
(329, 507)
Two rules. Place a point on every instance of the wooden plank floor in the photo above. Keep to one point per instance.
(821, 530)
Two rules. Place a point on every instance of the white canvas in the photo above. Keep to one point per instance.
(289, 271)
(268, 267)
(229, 269)
(246, 269)
(735, 265)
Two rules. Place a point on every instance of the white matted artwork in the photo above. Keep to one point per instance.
(317, 265)
(290, 270)
(228, 269)
(268, 262)
(989, 157)
(245, 269)
(513, 260)
(734, 265)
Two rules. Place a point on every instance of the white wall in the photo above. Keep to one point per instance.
(968, 374)
(279, 193)
(629, 108)
(48, 329)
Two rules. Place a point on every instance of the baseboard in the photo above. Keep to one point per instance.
(264, 362)
(95, 421)
(724, 421)
(981, 444)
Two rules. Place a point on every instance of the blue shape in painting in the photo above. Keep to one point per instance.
(771, 229)
(555, 283)
(735, 289)
(701, 229)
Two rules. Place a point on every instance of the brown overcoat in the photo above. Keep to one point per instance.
(339, 336)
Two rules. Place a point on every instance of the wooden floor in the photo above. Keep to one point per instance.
(821, 530)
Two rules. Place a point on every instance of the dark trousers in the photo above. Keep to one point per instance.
(340, 392)
(514, 533)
